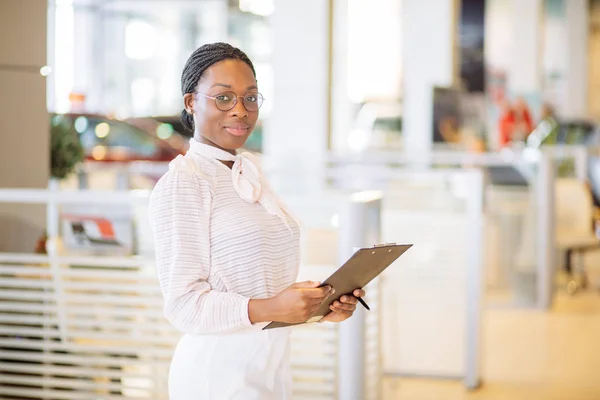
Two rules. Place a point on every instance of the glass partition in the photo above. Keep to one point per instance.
(436, 285)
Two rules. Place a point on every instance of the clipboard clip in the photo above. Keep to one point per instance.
(384, 245)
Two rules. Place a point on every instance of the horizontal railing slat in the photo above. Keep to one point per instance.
(26, 283)
(143, 359)
(67, 383)
(44, 393)
(77, 372)
(126, 349)
(84, 311)
(74, 325)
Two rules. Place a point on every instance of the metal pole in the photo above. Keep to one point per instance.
(581, 163)
(359, 227)
(545, 231)
(474, 280)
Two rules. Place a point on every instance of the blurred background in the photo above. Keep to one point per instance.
(468, 128)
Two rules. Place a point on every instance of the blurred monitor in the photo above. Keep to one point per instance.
(447, 115)
(506, 176)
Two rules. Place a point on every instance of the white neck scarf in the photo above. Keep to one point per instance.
(247, 178)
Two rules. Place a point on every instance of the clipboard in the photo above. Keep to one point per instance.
(364, 266)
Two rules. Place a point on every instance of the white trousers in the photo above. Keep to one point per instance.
(247, 365)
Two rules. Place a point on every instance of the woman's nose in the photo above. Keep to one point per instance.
(239, 110)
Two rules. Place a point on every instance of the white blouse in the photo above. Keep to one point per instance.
(222, 237)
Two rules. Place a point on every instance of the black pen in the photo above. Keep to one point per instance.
(363, 303)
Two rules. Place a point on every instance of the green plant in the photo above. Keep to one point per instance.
(66, 150)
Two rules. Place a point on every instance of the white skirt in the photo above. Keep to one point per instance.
(247, 365)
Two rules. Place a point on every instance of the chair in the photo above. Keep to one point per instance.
(575, 215)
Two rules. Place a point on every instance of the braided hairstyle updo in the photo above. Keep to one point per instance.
(204, 57)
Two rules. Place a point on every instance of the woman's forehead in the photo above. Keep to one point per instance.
(232, 73)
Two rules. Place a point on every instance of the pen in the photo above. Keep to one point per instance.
(363, 303)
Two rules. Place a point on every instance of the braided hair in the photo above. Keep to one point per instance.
(204, 57)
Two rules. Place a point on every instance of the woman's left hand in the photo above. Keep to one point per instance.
(344, 307)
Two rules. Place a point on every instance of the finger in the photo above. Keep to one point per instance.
(359, 293)
(344, 306)
(318, 293)
(337, 310)
(349, 299)
(307, 284)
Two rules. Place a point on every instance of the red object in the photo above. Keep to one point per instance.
(104, 225)
(508, 123)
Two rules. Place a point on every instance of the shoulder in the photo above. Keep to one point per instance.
(187, 175)
(195, 165)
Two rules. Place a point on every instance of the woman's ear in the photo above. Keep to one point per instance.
(189, 102)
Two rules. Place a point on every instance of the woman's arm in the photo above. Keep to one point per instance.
(262, 310)
(180, 210)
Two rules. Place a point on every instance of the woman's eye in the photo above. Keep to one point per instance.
(251, 99)
(223, 97)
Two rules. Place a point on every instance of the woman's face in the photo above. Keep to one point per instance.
(225, 129)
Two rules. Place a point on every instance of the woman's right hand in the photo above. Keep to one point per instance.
(295, 304)
(300, 301)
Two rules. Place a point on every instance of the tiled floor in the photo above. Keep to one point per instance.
(528, 354)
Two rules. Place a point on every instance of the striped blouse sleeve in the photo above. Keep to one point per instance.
(180, 209)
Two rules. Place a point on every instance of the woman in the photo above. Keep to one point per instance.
(227, 249)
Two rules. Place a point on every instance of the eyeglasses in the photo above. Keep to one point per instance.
(227, 100)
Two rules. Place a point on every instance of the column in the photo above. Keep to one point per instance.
(576, 56)
(429, 60)
(24, 138)
(341, 107)
(524, 66)
(296, 133)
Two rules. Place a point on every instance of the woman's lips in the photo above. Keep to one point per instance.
(237, 130)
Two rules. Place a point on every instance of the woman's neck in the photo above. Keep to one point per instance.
(206, 141)
(203, 140)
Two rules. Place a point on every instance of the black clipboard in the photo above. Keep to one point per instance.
(364, 266)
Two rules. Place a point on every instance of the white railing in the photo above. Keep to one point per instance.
(89, 327)
(82, 328)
